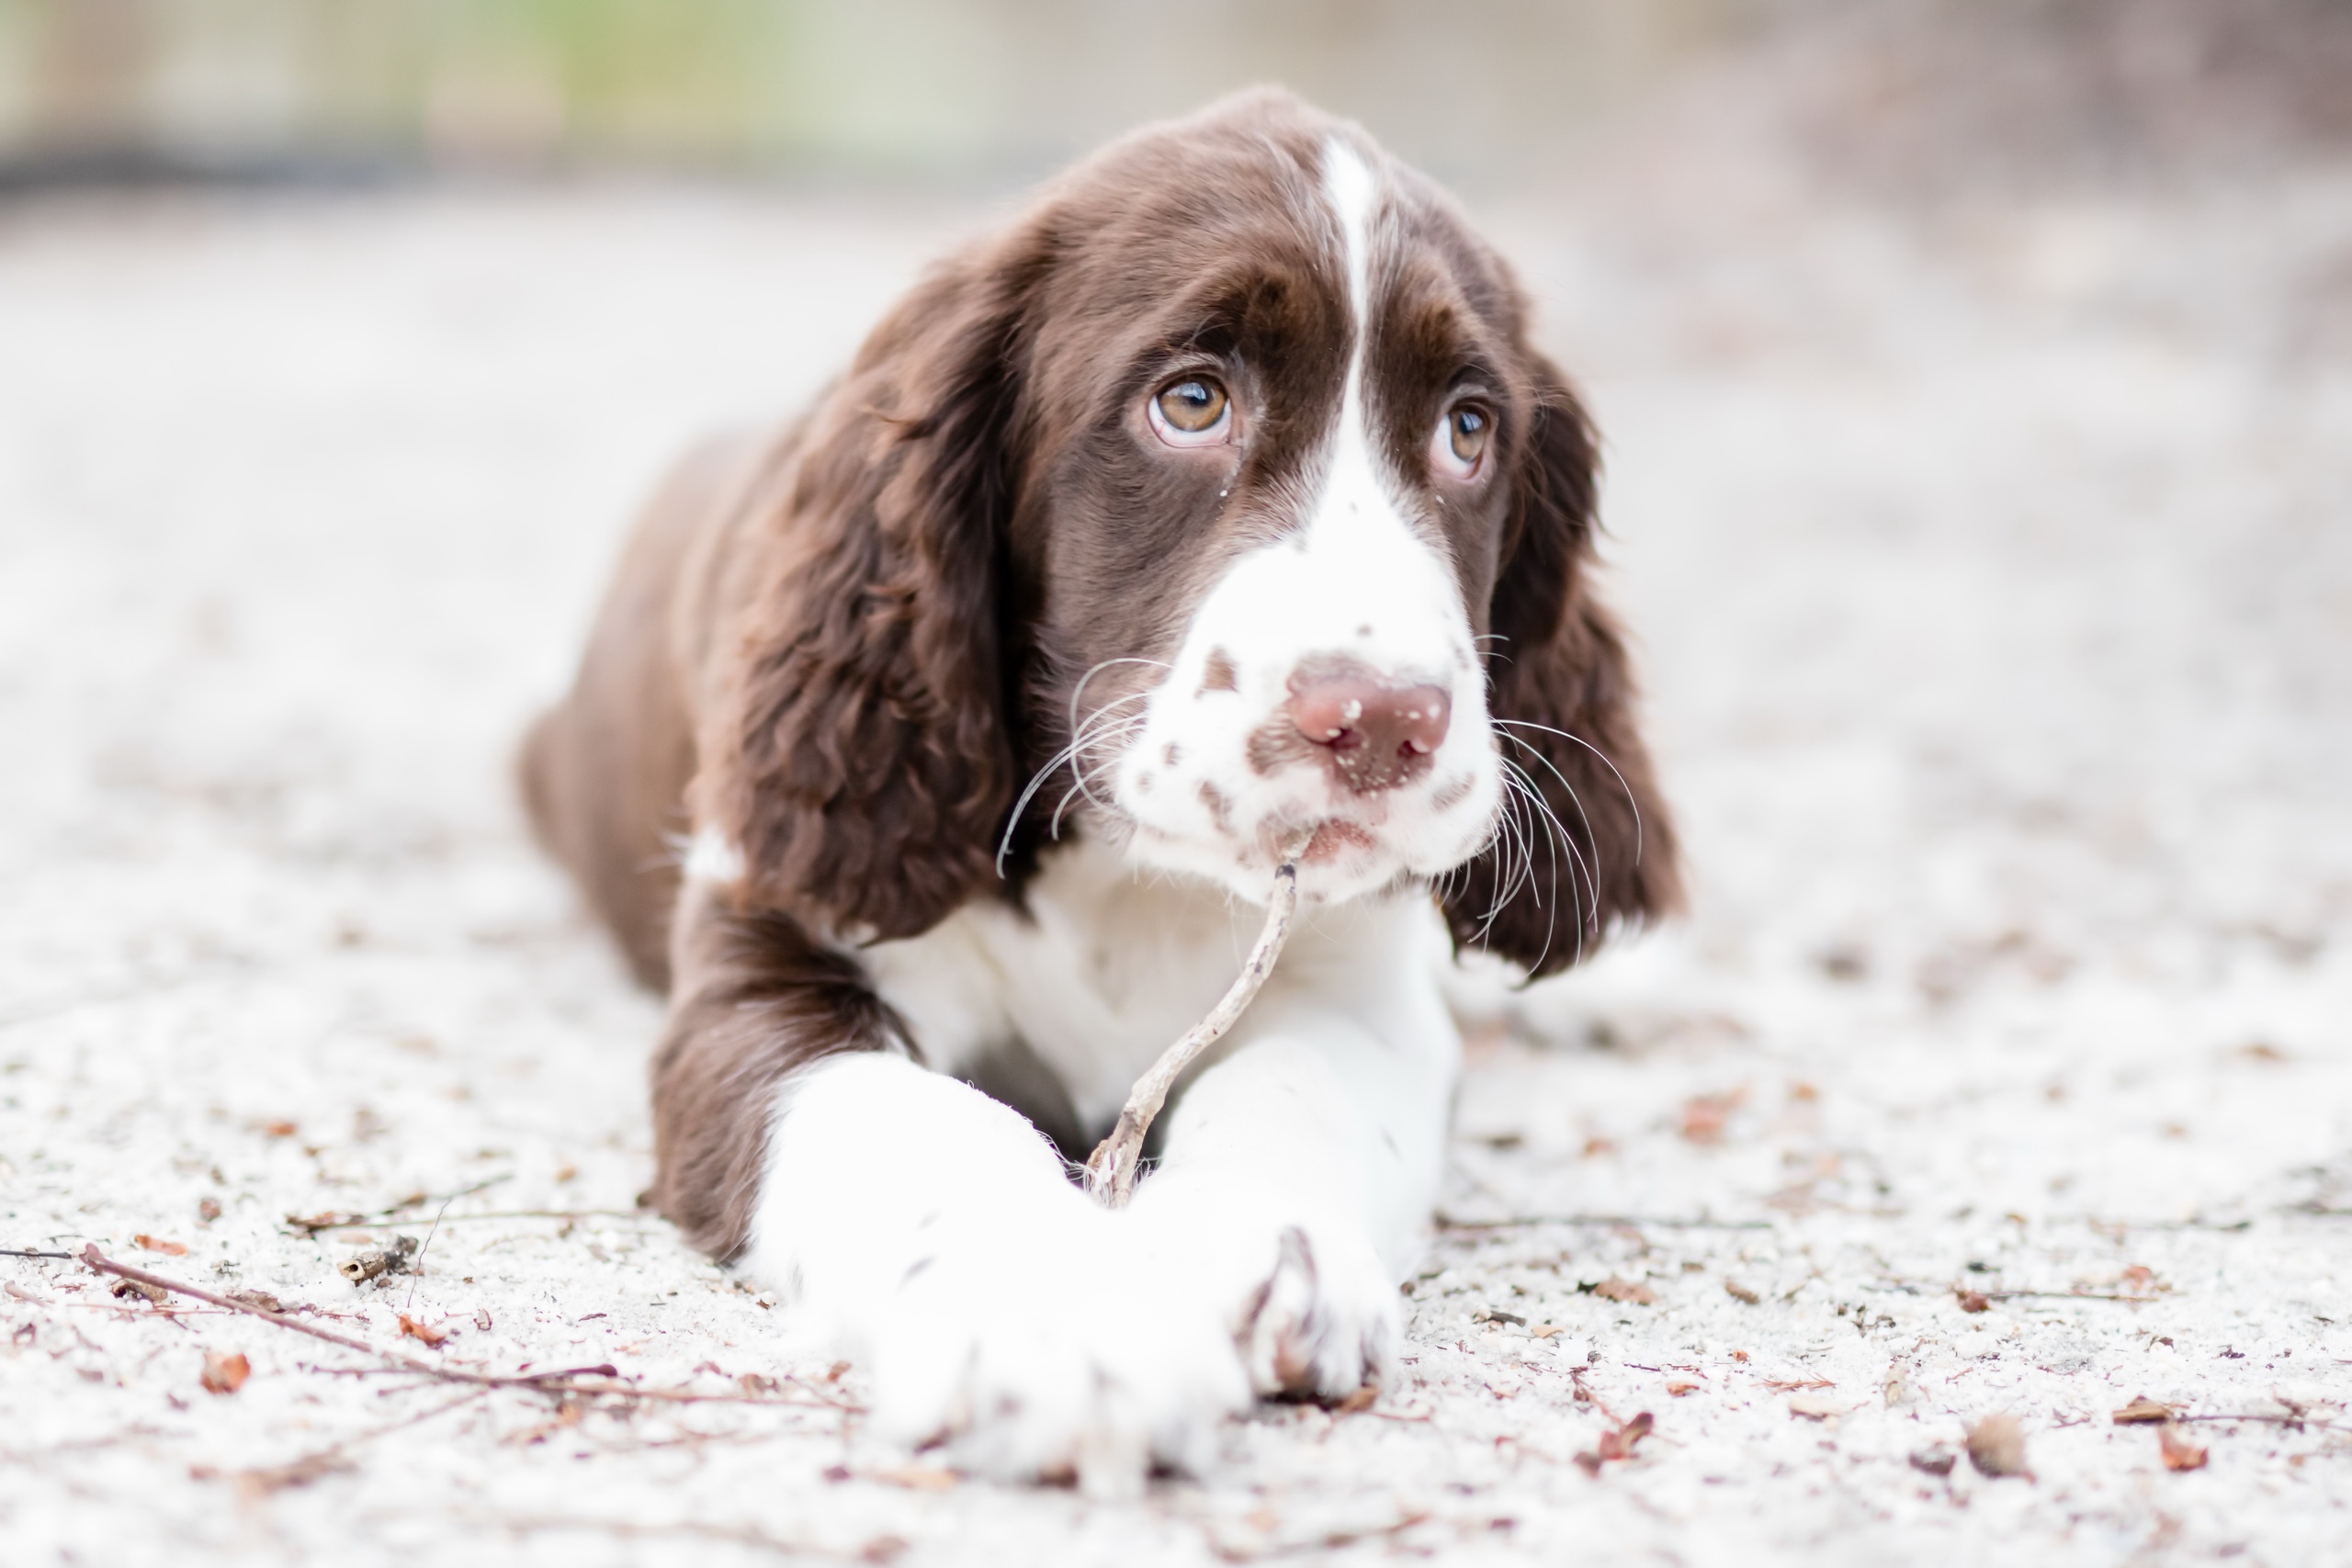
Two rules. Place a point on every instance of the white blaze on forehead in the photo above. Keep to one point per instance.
(1357, 578)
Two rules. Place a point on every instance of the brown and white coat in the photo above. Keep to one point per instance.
(933, 752)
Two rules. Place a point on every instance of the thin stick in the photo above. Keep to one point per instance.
(567, 1381)
(1111, 1171)
(638, 1214)
(15, 1252)
(1634, 1222)
(380, 1216)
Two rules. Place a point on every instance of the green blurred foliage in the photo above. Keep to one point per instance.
(862, 85)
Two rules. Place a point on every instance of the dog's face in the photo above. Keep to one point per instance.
(1219, 506)
(1268, 514)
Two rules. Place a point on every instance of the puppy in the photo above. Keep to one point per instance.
(934, 753)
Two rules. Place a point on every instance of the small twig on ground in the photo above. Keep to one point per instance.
(319, 1223)
(557, 1382)
(1110, 1170)
(263, 1480)
(1602, 1222)
(19, 1252)
(1330, 1541)
(882, 1548)
(335, 1221)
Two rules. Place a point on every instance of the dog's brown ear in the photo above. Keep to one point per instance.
(860, 757)
(1561, 690)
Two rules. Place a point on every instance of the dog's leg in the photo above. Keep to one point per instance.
(1301, 1168)
(933, 1235)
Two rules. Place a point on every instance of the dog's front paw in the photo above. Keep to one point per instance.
(1052, 1356)
(1311, 1309)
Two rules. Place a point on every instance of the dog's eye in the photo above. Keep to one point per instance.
(1193, 412)
(1461, 440)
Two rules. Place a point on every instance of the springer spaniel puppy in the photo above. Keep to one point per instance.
(935, 754)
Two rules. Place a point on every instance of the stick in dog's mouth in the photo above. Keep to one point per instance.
(1110, 1169)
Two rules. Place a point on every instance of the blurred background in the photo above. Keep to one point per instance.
(956, 88)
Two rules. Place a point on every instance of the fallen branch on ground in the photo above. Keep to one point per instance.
(1110, 1170)
(569, 1380)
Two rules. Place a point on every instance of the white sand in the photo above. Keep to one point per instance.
(1995, 580)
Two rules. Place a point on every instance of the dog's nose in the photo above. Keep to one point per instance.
(1369, 735)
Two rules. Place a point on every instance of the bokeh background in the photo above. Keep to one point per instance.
(1975, 379)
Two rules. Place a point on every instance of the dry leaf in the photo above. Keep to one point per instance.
(1613, 1289)
(2140, 1279)
(1816, 1406)
(1975, 1300)
(1677, 1387)
(156, 1293)
(2178, 1452)
(918, 1478)
(758, 1386)
(1783, 1387)
(2144, 1411)
(1740, 1292)
(261, 1299)
(1361, 1399)
(413, 1329)
(225, 1372)
(157, 1243)
(1617, 1443)
(1933, 1461)
(276, 1129)
(1997, 1446)
(1704, 1116)
(1546, 1331)
(19, 1293)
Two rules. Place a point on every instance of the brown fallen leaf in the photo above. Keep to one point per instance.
(1997, 1447)
(1785, 1386)
(1619, 1442)
(280, 1129)
(157, 1243)
(1816, 1406)
(413, 1329)
(1677, 1387)
(1545, 1331)
(2140, 1280)
(1974, 1301)
(1361, 1400)
(1704, 1116)
(918, 1478)
(2178, 1452)
(1744, 1294)
(1613, 1289)
(225, 1372)
(758, 1385)
(140, 1288)
(2145, 1411)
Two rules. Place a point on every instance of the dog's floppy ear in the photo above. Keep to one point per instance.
(1562, 694)
(861, 759)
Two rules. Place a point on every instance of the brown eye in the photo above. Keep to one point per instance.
(1463, 434)
(1193, 412)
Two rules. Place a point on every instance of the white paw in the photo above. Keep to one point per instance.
(1309, 1306)
(1055, 1352)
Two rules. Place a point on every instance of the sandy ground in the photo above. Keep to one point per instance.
(1995, 580)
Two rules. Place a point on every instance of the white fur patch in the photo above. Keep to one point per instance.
(711, 860)
(1356, 580)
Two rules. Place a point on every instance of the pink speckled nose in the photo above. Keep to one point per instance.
(1370, 736)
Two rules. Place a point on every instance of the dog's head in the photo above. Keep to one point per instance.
(1219, 506)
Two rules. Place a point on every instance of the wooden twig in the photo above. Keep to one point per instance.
(1603, 1222)
(318, 1223)
(316, 1227)
(18, 1252)
(569, 1380)
(1110, 1170)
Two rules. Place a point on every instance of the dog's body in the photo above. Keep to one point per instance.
(1221, 503)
